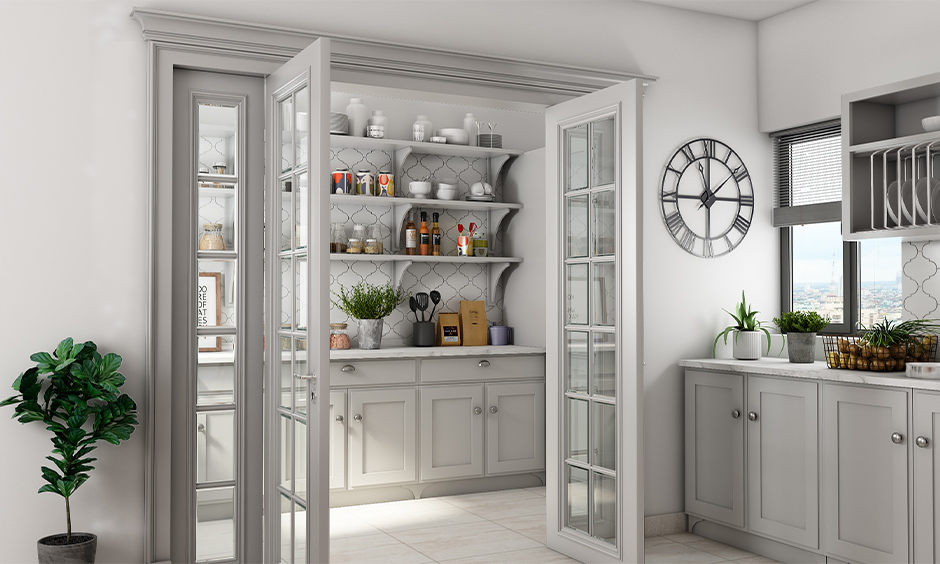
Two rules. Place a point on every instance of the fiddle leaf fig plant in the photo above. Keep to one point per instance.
(75, 392)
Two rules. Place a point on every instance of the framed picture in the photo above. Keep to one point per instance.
(209, 308)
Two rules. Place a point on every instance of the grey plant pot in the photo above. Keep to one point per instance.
(801, 347)
(370, 333)
(83, 552)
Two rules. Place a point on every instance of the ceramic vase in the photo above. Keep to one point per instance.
(747, 345)
(358, 116)
(370, 333)
(83, 551)
(801, 347)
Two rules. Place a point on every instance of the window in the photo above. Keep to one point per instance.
(849, 282)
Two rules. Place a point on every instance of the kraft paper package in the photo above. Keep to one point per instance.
(448, 330)
(473, 323)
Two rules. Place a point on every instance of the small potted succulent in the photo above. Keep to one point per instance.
(747, 331)
(75, 393)
(369, 304)
(800, 328)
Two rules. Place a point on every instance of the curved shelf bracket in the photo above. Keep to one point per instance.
(400, 267)
(496, 270)
(400, 156)
(496, 165)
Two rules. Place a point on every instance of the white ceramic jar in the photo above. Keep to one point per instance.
(358, 116)
(470, 125)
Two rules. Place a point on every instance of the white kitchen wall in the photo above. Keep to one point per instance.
(74, 220)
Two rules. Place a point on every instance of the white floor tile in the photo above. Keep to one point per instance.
(540, 555)
(380, 549)
(459, 541)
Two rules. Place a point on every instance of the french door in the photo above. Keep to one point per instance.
(593, 455)
(297, 309)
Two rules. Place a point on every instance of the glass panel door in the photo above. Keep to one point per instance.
(594, 329)
(298, 364)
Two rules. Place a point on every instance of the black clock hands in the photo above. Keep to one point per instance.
(734, 174)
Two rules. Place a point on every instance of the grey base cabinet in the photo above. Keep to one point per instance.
(751, 454)
(926, 430)
(337, 439)
(515, 427)
(382, 436)
(865, 473)
(452, 431)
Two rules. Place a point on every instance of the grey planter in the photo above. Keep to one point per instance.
(801, 347)
(370, 333)
(52, 549)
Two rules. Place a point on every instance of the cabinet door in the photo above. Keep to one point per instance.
(451, 432)
(926, 481)
(865, 474)
(714, 446)
(515, 427)
(338, 440)
(783, 459)
(381, 436)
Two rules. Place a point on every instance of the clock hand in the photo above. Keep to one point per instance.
(701, 171)
(723, 182)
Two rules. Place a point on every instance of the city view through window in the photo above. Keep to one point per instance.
(818, 274)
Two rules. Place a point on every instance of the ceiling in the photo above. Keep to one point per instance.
(754, 10)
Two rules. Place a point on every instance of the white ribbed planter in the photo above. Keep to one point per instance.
(747, 345)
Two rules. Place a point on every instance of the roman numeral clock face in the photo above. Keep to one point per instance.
(707, 199)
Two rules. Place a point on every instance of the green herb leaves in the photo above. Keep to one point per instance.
(365, 301)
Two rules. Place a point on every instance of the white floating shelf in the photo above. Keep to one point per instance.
(419, 147)
(356, 200)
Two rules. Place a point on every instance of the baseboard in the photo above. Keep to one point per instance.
(666, 524)
(758, 545)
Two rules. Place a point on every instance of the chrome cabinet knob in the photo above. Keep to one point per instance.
(493, 409)
(735, 414)
(340, 418)
(477, 410)
(348, 368)
(357, 417)
(201, 428)
(483, 363)
(751, 416)
(897, 438)
(922, 442)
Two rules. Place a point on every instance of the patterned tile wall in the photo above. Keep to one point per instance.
(920, 284)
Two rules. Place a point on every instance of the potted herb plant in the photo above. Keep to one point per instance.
(369, 304)
(747, 331)
(889, 345)
(75, 393)
(800, 328)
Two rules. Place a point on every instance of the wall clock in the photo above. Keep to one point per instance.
(706, 198)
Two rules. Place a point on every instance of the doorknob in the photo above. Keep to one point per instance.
(897, 438)
(493, 409)
(357, 417)
(477, 410)
(922, 442)
(752, 416)
(735, 414)
(340, 418)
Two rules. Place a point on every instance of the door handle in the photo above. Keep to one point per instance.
(358, 418)
(348, 368)
(311, 376)
(493, 409)
(340, 418)
(477, 410)
(483, 363)
(752, 416)
(897, 438)
(922, 442)
(735, 414)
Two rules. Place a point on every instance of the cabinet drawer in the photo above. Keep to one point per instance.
(482, 368)
(371, 372)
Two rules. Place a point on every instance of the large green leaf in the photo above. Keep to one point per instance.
(64, 350)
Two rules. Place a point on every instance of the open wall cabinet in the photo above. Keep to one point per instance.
(304, 76)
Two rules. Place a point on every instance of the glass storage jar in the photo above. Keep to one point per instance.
(211, 239)
(338, 240)
(339, 338)
(373, 244)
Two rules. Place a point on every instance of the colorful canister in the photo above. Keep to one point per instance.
(341, 182)
(365, 183)
(386, 183)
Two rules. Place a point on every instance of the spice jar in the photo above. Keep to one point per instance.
(211, 239)
(373, 245)
(338, 241)
(339, 338)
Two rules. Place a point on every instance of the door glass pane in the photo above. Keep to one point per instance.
(287, 294)
(286, 133)
(215, 380)
(300, 367)
(817, 269)
(605, 222)
(302, 100)
(300, 293)
(218, 140)
(300, 214)
(215, 446)
(577, 430)
(605, 364)
(577, 359)
(604, 293)
(576, 299)
(286, 527)
(284, 461)
(287, 189)
(576, 225)
(577, 493)
(576, 158)
(215, 524)
(300, 533)
(605, 508)
(214, 304)
(604, 151)
(604, 435)
(287, 372)
(300, 458)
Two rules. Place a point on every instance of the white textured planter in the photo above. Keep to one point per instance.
(747, 345)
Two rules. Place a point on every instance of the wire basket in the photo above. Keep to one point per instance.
(852, 353)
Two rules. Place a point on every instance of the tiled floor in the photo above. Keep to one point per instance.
(506, 527)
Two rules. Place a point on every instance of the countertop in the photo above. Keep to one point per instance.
(434, 352)
(816, 371)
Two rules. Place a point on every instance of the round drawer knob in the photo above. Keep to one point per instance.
(897, 438)
(735, 414)
(493, 409)
(357, 417)
(751, 416)
(922, 442)
(340, 418)
(478, 410)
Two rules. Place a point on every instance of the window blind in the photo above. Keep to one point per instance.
(807, 169)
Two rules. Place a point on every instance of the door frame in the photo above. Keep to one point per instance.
(175, 40)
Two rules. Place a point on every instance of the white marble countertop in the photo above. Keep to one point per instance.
(434, 352)
(816, 371)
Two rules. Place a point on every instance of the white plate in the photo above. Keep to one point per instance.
(923, 192)
(891, 198)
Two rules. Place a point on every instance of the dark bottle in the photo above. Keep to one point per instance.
(435, 237)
